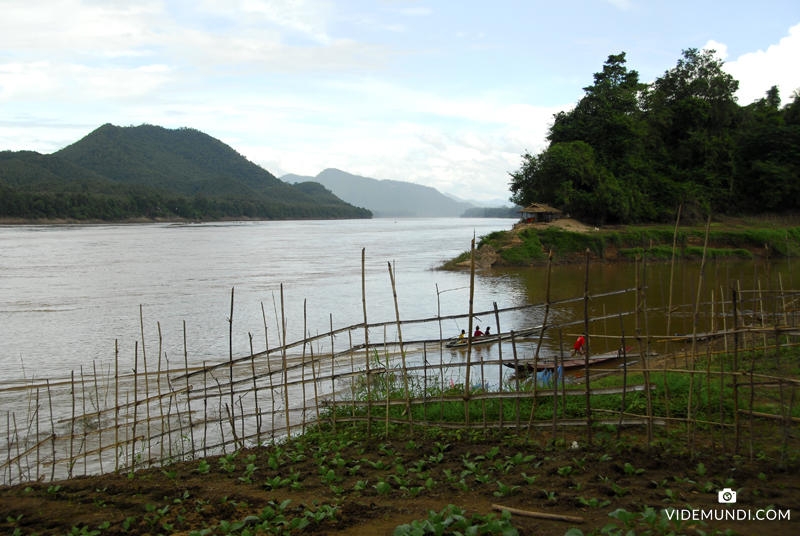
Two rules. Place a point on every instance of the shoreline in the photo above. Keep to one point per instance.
(528, 244)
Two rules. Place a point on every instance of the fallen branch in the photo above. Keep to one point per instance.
(538, 515)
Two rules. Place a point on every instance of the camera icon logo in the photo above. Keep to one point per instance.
(727, 496)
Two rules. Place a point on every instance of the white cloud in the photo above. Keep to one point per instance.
(720, 49)
(760, 70)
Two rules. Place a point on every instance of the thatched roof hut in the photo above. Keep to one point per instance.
(537, 213)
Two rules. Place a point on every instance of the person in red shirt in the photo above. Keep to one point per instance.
(478, 332)
(580, 346)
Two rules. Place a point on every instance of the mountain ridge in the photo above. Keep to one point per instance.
(386, 198)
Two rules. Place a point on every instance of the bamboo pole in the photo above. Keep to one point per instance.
(694, 330)
(85, 434)
(541, 337)
(99, 425)
(316, 393)
(586, 356)
(303, 361)
(285, 371)
(672, 275)
(72, 426)
(255, 390)
(556, 370)
(52, 432)
(500, 357)
(116, 407)
(516, 374)
(366, 341)
(135, 396)
(146, 385)
(735, 367)
(188, 389)
(469, 334)
(158, 384)
(230, 367)
(269, 372)
(333, 372)
(205, 411)
(752, 396)
(402, 351)
(624, 374)
(645, 356)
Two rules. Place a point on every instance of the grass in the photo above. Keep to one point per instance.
(530, 245)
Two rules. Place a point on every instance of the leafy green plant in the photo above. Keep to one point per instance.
(593, 503)
(505, 491)
(248, 473)
(631, 470)
(203, 468)
(530, 480)
(565, 471)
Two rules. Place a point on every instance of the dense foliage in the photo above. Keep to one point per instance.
(632, 152)
(118, 173)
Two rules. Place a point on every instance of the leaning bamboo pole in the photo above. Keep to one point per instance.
(188, 388)
(146, 385)
(285, 372)
(402, 352)
(645, 355)
(672, 274)
(694, 333)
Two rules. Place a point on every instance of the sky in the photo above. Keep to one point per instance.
(448, 94)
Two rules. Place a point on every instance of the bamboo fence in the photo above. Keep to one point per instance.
(118, 420)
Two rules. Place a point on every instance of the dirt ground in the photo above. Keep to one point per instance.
(180, 499)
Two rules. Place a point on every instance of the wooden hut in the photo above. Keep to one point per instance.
(537, 213)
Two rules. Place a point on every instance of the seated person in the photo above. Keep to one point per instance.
(478, 332)
(462, 335)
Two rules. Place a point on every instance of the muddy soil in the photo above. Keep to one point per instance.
(181, 498)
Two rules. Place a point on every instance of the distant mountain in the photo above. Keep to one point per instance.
(386, 198)
(181, 172)
(496, 202)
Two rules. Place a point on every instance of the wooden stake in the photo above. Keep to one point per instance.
(539, 343)
(72, 426)
(232, 416)
(255, 390)
(333, 375)
(146, 388)
(500, 356)
(285, 368)
(586, 356)
(736, 367)
(303, 373)
(269, 372)
(116, 408)
(135, 396)
(646, 354)
(99, 424)
(624, 373)
(160, 398)
(366, 340)
(516, 374)
(402, 353)
(188, 389)
(469, 335)
(555, 385)
(52, 431)
(694, 332)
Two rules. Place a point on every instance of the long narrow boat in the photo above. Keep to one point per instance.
(462, 343)
(574, 362)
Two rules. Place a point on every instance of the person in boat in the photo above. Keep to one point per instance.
(487, 334)
(580, 347)
(478, 332)
(462, 335)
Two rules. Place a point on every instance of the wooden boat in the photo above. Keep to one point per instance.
(462, 343)
(573, 362)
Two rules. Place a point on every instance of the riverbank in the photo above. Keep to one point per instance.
(528, 244)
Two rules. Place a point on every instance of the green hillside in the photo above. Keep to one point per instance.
(117, 173)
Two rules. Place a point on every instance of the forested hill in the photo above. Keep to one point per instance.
(633, 152)
(118, 173)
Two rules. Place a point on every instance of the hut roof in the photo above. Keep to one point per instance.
(538, 207)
